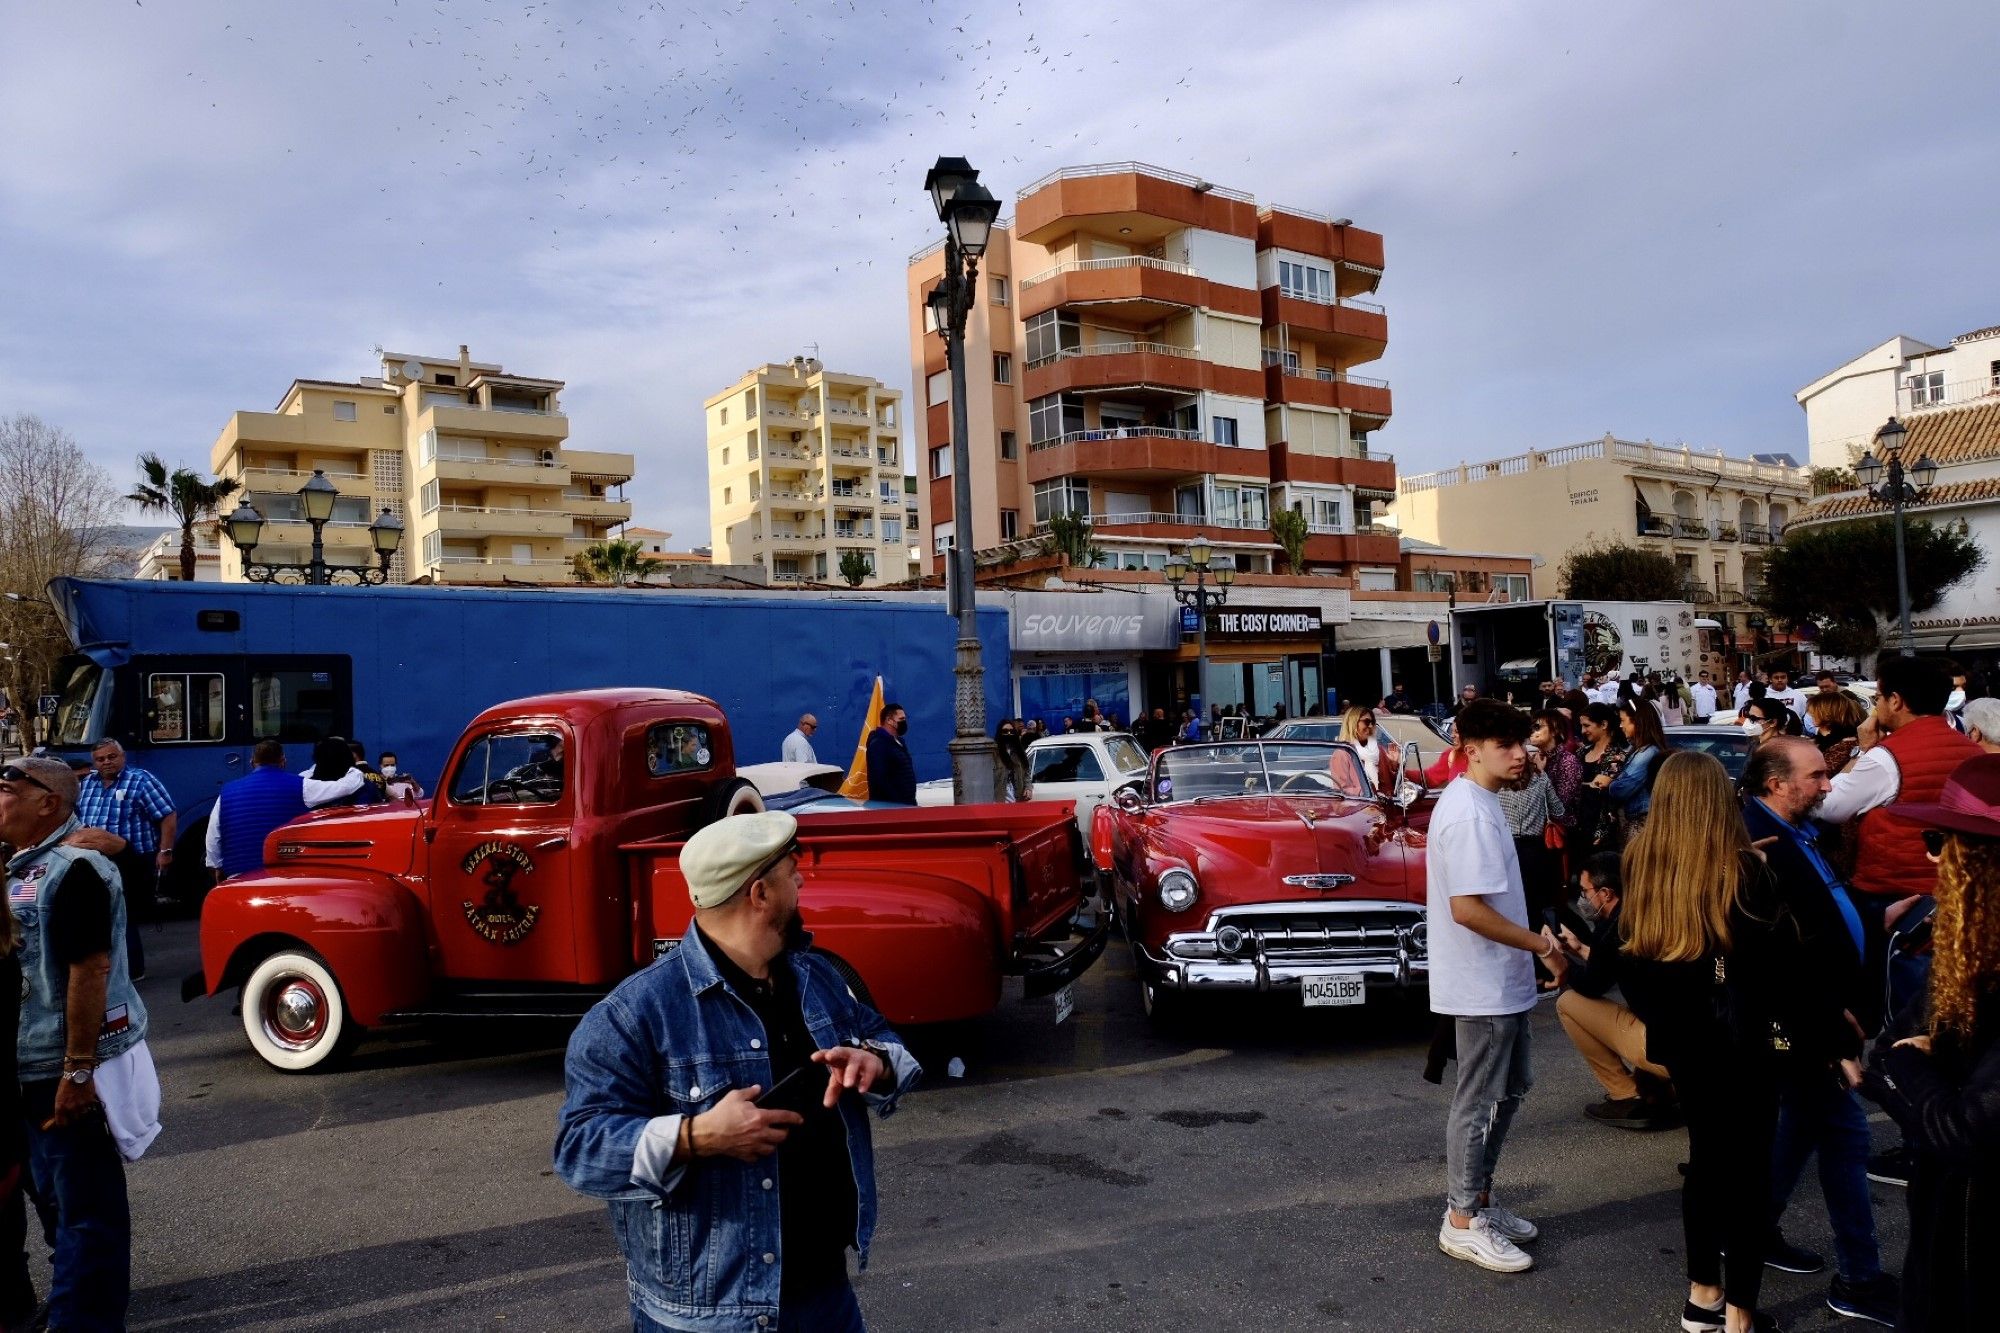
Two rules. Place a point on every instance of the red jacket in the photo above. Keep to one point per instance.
(1889, 852)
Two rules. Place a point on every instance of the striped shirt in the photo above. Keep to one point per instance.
(132, 807)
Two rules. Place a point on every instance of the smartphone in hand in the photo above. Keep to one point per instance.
(798, 1091)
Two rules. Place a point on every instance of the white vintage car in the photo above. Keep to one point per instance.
(1085, 767)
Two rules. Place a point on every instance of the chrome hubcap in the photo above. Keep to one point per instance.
(295, 1014)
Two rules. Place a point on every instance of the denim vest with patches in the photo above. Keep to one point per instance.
(33, 879)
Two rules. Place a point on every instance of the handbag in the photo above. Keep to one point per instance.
(1751, 1033)
(1553, 837)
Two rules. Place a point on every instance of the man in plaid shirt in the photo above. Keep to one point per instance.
(133, 807)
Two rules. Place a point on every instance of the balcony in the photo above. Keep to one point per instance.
(597, 508)
(595, 463)
(286, 432)
(1697, 592)
(1333, 389)
(550, 428)
(493, 569)
(1144, 288)
(854, 530)
(1651, 525)
(1727, 532)
(263, 479)
(1141, 453)
(1370, 471)
(1113, 197)
(1352, 330)
(458, 520)
(1692, 528)
(350, 536)
(1728, 594)
(1363, 548)
(485, 470)
(1114, 365)
(1677, 461)
(1179, 527)
(1356, 252)
(1923, 398)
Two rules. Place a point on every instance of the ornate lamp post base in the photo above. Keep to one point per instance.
(972, 750)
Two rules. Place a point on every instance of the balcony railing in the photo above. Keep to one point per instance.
(1698, 593)
(1117, 261)
(287, 476)
(1727, 532)
(1323, 298)
(502, 509)
(1690, 527)
(1728, 594)
(1322, 373)
(496, 462)
(494, 561)
(1181, 520)
(1117, 433)
(1950, 394)
(1113, 349)
(1136, 169)
(850, 530)
(1653, 526)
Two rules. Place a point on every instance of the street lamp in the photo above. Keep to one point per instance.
(1897, 492)
(968, 211)
(245, 527)
(1199, 560)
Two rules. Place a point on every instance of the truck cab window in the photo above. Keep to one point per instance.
(184, 708)
(510, 768)
(79, 688)
(293, 705)
(677, 747)
(1067, 763)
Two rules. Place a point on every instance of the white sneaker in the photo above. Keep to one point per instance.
(1481, 1244)
(1517, 1229)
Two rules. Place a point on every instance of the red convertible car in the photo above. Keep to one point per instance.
(1268, 865)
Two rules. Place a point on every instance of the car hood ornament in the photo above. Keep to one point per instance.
(1319, 881)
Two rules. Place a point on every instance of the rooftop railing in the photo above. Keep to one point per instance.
(1135, 169)
(1708, 466)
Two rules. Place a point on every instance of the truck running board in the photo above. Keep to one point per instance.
(500, 1004)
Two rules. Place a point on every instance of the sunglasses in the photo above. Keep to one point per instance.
(13, 774)
(1934, 841)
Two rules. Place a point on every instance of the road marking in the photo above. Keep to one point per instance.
(325, 1315)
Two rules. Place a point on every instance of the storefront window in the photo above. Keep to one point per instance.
(1057, 691)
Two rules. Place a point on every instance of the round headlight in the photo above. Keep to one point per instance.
(1177, 890)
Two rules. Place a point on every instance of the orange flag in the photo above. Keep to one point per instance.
(856, 786)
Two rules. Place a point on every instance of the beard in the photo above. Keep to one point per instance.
(797, 937)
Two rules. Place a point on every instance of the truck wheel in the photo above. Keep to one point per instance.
(850, 976)
(294, 1013)
(738, 796)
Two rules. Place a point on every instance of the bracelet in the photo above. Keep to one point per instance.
(87, 1061)
(687, 1136)
(1549, 952)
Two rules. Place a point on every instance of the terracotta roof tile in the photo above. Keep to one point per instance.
(1955, 434)
(1854, 503)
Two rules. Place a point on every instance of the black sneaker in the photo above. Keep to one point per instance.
(1876, 1299)
(1701, 1319)
(1786, 1257)
(1891, 1167)
(1624, 1112)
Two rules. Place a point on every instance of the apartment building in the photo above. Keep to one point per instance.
(805, 466)
(1901, 378)
(474, 460)
(1712, 514)
(1165, 357)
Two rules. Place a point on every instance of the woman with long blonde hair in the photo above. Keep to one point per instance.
(1380, 760)
(1711, 963)
(1942, 1085)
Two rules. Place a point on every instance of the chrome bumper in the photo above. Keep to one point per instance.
(1387, 954)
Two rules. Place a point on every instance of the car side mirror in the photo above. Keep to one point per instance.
(1128, 799)
(1411, 789)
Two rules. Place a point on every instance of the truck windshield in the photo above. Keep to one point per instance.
(78, 682)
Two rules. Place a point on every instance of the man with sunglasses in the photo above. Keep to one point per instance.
(798, 747)
(88, 1088)
(717, 1101)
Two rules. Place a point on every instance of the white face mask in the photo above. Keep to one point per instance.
(388, 770)
(1752, 725)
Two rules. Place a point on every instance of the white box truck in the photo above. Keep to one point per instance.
(1508, 648)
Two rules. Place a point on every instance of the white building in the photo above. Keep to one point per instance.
(161, 560)
(1901, 378)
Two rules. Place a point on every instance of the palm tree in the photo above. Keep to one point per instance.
(614, 561)
(1289, 527)
(183, 494)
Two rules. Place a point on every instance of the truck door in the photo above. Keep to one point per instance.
(500, 858)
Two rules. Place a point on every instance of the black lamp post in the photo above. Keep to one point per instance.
(1199, 558)
(246, 527)
(968, 210)
(1897, 492)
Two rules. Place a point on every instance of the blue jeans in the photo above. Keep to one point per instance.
(828, 1310)
(1493, 1076)
(1816, 1114)
(80, 1179)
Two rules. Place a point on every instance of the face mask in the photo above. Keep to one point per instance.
(388, 770)
(902, 726)
(1587, 908)
(1753, 726)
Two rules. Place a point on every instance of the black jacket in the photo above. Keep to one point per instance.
(891, 774)
(1948, 1105)
(1597, 974)
(1823, 934)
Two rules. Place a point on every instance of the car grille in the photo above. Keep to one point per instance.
(1320, 931)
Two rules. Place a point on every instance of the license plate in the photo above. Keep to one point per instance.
(1334, 988)
(1065, 1002)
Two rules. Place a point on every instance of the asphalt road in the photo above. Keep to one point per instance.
(1263, 1168)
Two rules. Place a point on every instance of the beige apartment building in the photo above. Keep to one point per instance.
(805, 465)
(1170, 358)
(1714, 515)
(474, 460)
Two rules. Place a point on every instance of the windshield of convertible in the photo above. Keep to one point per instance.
(1258, 768)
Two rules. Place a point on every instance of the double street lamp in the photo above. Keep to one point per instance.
(246, 527)
(968, 210)
(1897, 491)
(1199, 559)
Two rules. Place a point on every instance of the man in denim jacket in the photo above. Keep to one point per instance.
(733, 1216)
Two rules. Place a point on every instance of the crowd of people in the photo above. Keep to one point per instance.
(1747, 959)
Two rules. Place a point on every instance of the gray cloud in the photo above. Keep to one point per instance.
(1649, 220)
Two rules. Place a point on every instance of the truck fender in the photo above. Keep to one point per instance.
(927, 947)
(368, 927)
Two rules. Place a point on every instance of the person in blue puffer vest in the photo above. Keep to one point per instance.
(261, 800)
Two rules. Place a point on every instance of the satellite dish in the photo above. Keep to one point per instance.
(413, 370)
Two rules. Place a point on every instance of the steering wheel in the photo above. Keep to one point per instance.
(1309, 781)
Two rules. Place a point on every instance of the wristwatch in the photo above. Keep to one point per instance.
(79, 1076)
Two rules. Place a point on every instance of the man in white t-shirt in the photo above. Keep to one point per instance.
(1704, 698)
(798, 747)
(1607, 693)
(1791, 696)
(1741, 694)
(1482, 974)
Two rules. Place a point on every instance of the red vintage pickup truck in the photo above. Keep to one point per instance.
(546, 869)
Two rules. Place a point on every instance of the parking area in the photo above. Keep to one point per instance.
(1263, 1167)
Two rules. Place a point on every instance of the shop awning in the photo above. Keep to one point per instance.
(1369, 635)
(1655, 496)
(1092, 622)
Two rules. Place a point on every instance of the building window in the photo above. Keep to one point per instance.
(1063, 495)
(930, 315)
(1009, 445)
(725, 495)
(749, 403)
(1278, 356)
(1003, 368)
(427, 448)
(725, 458)
(941, 538)
(997, 285)
(1052, 334)
(1225, 430)
(1010, 524)
(750, 449)
(937, 389)
(388, 409)
(343, 411)
(1053, 417)
(433, 548)
(428, 497)
(892, 531)
(1307, 282)
(725, 417)
(1241, 506)
(941, 462)
(1514, 585)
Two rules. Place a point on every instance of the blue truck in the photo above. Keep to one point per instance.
(189, 676)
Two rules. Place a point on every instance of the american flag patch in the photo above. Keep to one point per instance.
(22, 892)
(115, 1020)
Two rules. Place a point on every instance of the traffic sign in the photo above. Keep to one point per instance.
(1434, 653)
(1431, 632)
(1190, 620)
(45, 706)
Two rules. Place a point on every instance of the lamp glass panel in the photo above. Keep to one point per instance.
(1869, 470)
(316, 497)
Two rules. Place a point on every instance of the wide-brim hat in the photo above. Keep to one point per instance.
(1969, 803)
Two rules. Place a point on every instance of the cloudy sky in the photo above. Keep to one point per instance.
(1658, 220)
